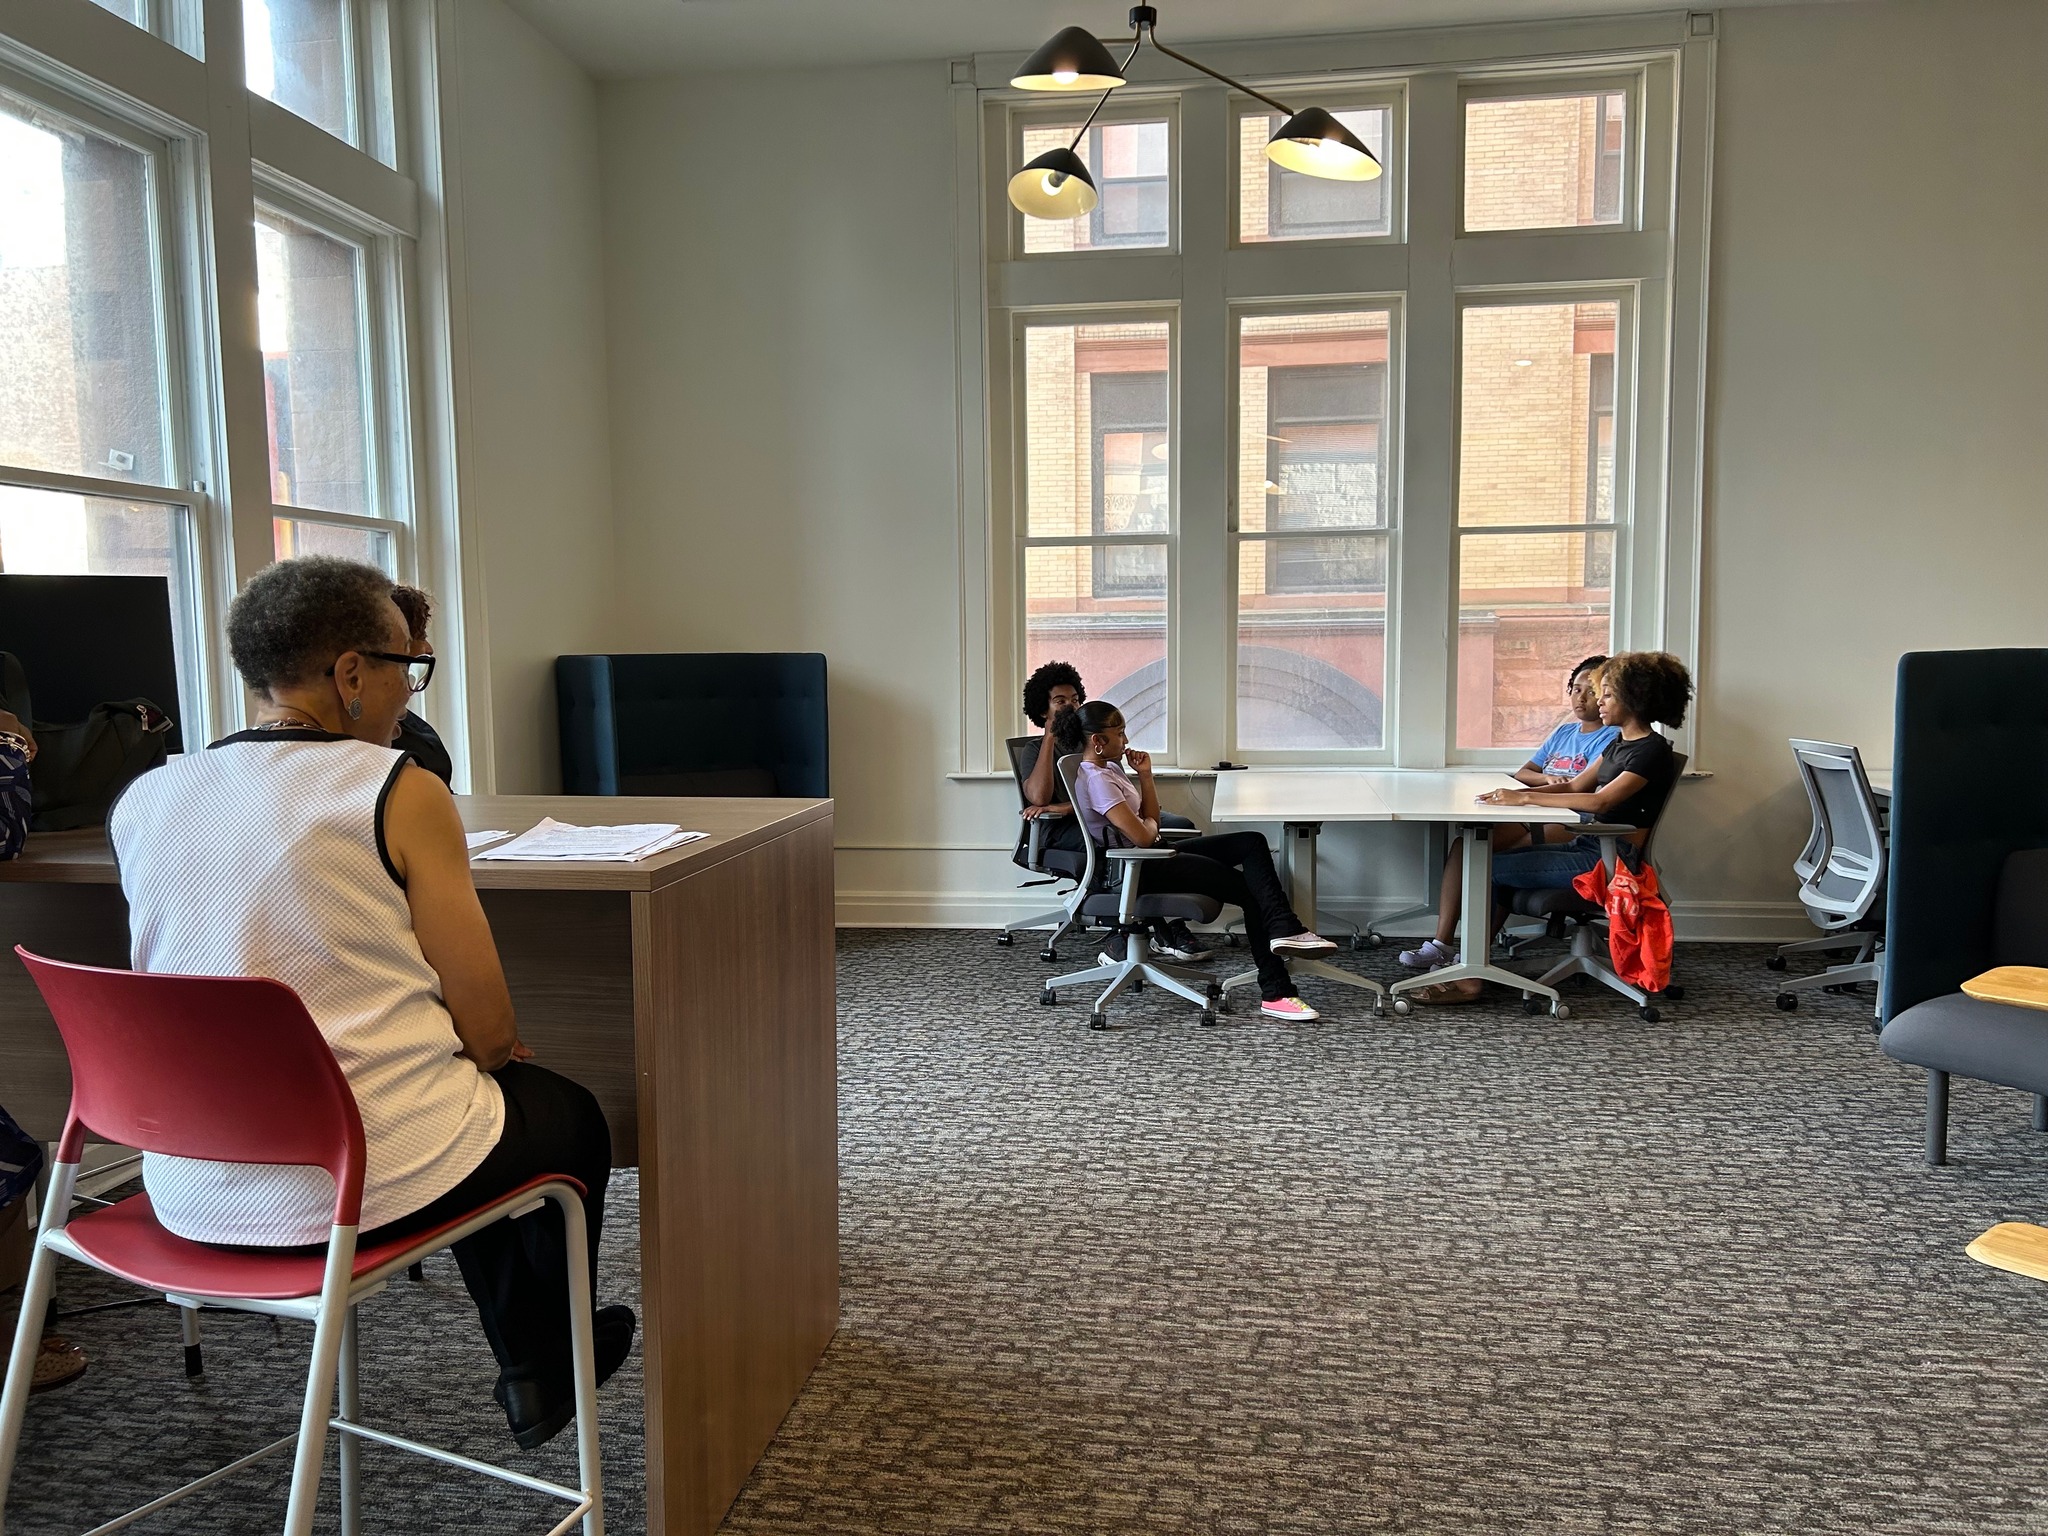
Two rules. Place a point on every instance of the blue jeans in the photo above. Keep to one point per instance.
(1553, 866)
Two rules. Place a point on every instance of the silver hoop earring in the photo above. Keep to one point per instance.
(355, 709)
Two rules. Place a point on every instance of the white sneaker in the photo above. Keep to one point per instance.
(1305, 944)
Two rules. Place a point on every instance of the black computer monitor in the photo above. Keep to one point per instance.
(85, 640)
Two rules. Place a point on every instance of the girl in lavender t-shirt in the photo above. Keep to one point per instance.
(1119, 808)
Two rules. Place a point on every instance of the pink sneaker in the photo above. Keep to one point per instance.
(1289, 1010)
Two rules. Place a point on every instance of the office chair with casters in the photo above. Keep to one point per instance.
(233, 1069)
(1841, 871)
(1054, 864)
(1564, 906)
(1133, 916)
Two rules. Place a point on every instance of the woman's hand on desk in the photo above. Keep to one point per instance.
(1506, 797)
(521, 1051)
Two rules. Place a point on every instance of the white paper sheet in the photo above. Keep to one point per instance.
(478, 840)
(552, 839)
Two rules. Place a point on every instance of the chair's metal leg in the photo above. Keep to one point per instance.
(350, 1451)
(188, 1320)
(312, 1449)
(2041, 1111)
(416, 1273)
(583, 1355)
(1937, 1118)
(28, 1328)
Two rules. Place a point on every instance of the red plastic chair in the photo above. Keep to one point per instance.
(233, 1069)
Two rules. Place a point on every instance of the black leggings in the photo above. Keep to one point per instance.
(517, 1271)
(1235, 868)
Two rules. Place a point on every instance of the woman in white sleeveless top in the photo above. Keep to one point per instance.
(309, 850)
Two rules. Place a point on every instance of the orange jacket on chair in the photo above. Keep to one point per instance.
(1638, 923)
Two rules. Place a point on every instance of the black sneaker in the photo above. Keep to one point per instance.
(1179, 942)
(1114, 947)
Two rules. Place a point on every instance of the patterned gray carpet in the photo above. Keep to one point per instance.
(1467, 1271)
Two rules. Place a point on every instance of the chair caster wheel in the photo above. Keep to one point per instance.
(1214, 991)
(1138, 985)
(1098, 1021)
(1559, 1011)
(1208, 1016)
(1775, 963)
(1788, 1002)
(1403, 1007)
(1649, 1013)
(1233, 941)
(1357, 942)
(1048, 998)
(1673, 994)
(1049, 956)
(1533, 1005)
(1006, 939)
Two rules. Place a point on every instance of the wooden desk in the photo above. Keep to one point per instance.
(694, 995)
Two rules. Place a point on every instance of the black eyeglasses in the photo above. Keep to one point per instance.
(419, 670)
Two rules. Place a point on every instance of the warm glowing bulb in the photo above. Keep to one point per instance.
(1054, 181)
(1066, 76)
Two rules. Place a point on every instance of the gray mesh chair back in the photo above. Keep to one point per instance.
(1843, 878)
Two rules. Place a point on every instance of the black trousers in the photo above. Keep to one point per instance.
(518, 1271)
(1235, 868)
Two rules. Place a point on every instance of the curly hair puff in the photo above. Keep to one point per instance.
(1652, 686)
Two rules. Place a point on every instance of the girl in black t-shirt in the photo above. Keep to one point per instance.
(1629, 783)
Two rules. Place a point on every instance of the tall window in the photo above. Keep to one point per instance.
(91, 479)
(1312, 530)
(1098, 493)
(1536, 502)
(1299, 470)
(146, 426)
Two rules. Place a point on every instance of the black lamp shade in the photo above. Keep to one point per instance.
(1054, 186)
(1316, 144)
(1074, 60)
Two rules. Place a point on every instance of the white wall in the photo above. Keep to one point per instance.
(1878, 428)
(780, 335)
(532, 427)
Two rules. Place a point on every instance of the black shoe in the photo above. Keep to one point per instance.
(537, 1413)
(1114, 947)
(1178, 942)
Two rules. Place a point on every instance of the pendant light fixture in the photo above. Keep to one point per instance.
(1057, 185)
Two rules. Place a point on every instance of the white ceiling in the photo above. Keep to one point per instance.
(617, 39)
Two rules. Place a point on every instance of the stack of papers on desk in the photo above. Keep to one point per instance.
(553, 839)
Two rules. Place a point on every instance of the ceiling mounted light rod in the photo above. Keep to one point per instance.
(1057, 185)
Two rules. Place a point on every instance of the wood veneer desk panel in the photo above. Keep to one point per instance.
(694, 994)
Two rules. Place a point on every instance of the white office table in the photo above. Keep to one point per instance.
(1301, 802)
(1449, 797)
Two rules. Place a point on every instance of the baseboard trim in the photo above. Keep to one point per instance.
(1709, 922)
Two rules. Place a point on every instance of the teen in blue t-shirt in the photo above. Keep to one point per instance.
(1577, 744)
(1566, 753)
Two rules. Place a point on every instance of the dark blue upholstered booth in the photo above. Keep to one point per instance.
(1969, 790)
(712, 723)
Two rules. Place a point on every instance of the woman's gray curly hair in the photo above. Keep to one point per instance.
(296, 616)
